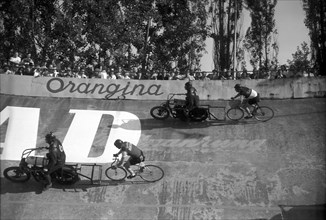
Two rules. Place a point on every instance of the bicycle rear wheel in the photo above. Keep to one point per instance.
(235, 114)
(152, 173)
(16, 175)
(116, 174)
(263, 113)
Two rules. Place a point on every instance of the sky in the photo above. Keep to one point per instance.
(289, 21)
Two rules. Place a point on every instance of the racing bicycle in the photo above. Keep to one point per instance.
(33, 166)
(150, 173)
(260, 113)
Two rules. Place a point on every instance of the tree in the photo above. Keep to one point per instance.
(259, 38)
(301, 61)
(316, 22)
(223, 23)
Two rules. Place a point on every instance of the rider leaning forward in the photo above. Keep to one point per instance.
(135, 156)
(251, 97)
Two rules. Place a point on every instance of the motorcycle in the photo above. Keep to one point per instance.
(176, 108)
(34, 166)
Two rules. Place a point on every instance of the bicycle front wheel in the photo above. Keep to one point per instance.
(235, 114)
(263, 113)
(116, 174)
(152, 173)
(16, 175)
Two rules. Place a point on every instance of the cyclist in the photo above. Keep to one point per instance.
(56, 157)
(135, 156)
(251, 97)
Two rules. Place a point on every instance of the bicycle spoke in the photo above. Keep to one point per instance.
(235, 114)
(116, 174)
(152, 173)
(264, 113)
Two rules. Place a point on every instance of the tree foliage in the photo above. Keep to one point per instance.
(153, 34)
(259, 37)
(301, 61)
(316, 22)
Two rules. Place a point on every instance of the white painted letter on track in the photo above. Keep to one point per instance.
(21, 131)
(81, 133)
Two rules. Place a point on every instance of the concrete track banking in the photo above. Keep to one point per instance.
(213, 170)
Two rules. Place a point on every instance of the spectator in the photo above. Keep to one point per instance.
(189, 76)
(15, 59)
(97, 72)
(103, 74)
(205, 76)
(8, 70)
(28, 60)
(29, 70)
(127, 75)
(52, 71)
(280, 75)
(37, 72)
(82, 74)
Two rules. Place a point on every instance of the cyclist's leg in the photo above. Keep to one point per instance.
(245, 104)
(127, 165)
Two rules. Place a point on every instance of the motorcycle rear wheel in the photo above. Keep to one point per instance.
(198, 114)
(66, 176)
(160, 112)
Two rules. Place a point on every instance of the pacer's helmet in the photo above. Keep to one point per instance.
(49, 137)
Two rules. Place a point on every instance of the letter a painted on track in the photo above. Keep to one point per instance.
(81, 133)
(21, 131)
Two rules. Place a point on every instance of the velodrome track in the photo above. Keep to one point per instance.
(213, 170)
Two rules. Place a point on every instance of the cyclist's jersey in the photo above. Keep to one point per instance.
(248, 93)
(131, 150)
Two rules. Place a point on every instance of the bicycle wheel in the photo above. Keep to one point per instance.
(152, 173)
(235, 114)
(16, 175)
(159, 112)
(263, 113)
(116, 174)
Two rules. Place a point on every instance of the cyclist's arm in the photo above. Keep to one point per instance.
(237, 96)
(123, 158)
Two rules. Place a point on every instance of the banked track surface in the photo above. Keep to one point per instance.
(213, 170)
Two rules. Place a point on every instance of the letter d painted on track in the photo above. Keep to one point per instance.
(125, 126)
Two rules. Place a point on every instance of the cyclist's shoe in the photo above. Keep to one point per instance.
(131, 176)
(248, 117)
(141, 169)
(47, 187)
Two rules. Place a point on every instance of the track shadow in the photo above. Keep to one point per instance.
(149, 124)
(80, 186)
(301, 212)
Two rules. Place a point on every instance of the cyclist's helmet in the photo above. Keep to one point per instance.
(237, 86)
(49, 137)
(118, 143)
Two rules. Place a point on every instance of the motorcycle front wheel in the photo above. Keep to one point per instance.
(160, 112)
(16, 175)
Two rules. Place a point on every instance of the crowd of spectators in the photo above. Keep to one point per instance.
(26, 66)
